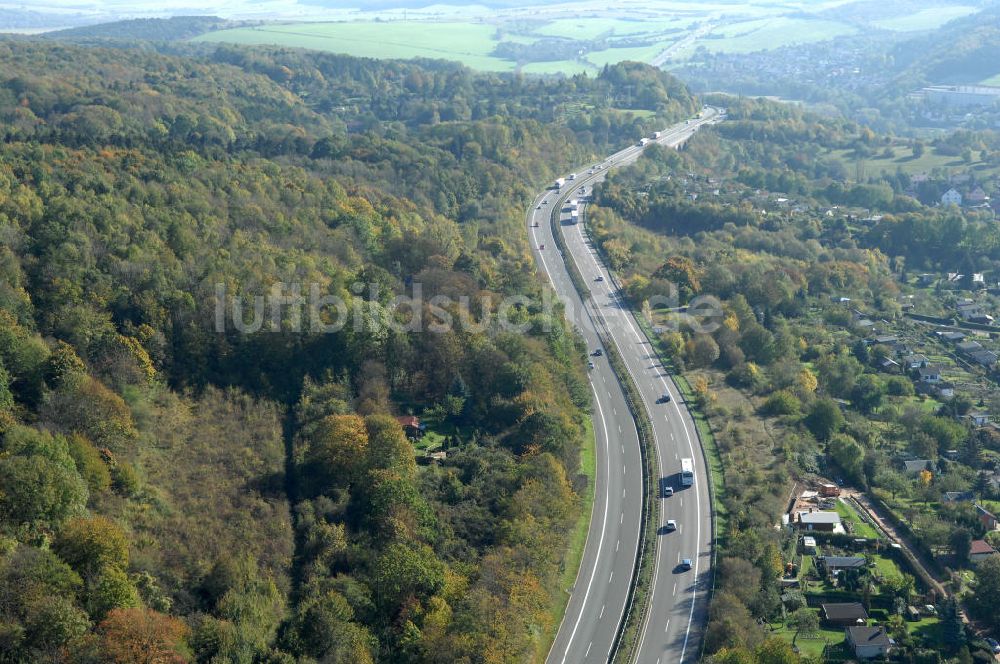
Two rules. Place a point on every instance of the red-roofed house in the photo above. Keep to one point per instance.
(980, 551)
(986, 517)
(411, 426)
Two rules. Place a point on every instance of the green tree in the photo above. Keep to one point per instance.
(824, 418)
(850, 456)
(110, 588)
(404, 571)
(92, 544)
(868, 393)
(89, 463)
(804, 620)
(35, 490)
(986, 597)
(781, 402)
(961, 545)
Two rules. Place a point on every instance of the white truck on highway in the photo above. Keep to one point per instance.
(574, 216)
(559, 183)
(687, 472)
(657, 134)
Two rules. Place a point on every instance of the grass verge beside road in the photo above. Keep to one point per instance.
(574, 552)
(712, 456)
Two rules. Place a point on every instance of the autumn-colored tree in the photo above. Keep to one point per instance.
(143, 636)
(89, 544)
(681, 271)
(337, 449)
(387, 445)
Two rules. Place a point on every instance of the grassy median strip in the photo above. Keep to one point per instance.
(641, 592)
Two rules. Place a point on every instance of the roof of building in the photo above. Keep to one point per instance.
(980, 548)
(985, 357)
(844, 562)
(916, 465)
(409, 421)
(969, 346)
(929, 371)
(845, 611)
(869, 636)
(982, 511)
(819, 517)
(958, 496)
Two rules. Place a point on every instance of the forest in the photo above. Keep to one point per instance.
(176, 491)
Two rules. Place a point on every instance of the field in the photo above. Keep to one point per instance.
(926, 19)
(634, 31)
(468, 42)
(769, 33)
(589, 28)
(904, 160)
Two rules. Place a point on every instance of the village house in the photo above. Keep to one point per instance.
(916, 466)
(976, 197)
(980, 551)
(951, 197)
(845, 614)
(969, 347)
(978, 418)
(986, 358)
(838, 563)
(986, 517)
(819, 520)
(929, 374)
(411, 426)
(868, 642)
(958, 497)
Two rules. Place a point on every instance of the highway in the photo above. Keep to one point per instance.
(671, 630)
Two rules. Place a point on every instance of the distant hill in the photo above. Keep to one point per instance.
(966, 50)
(176, 28)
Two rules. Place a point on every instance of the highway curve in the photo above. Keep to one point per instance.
(671, 629)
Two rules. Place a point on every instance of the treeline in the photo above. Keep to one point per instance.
(211, 494)
(175, 28)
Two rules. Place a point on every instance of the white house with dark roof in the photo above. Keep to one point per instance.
(868, 642)
(951, 197)
(820, 520)
(929, 374)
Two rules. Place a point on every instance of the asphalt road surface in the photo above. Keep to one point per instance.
(671, 631)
